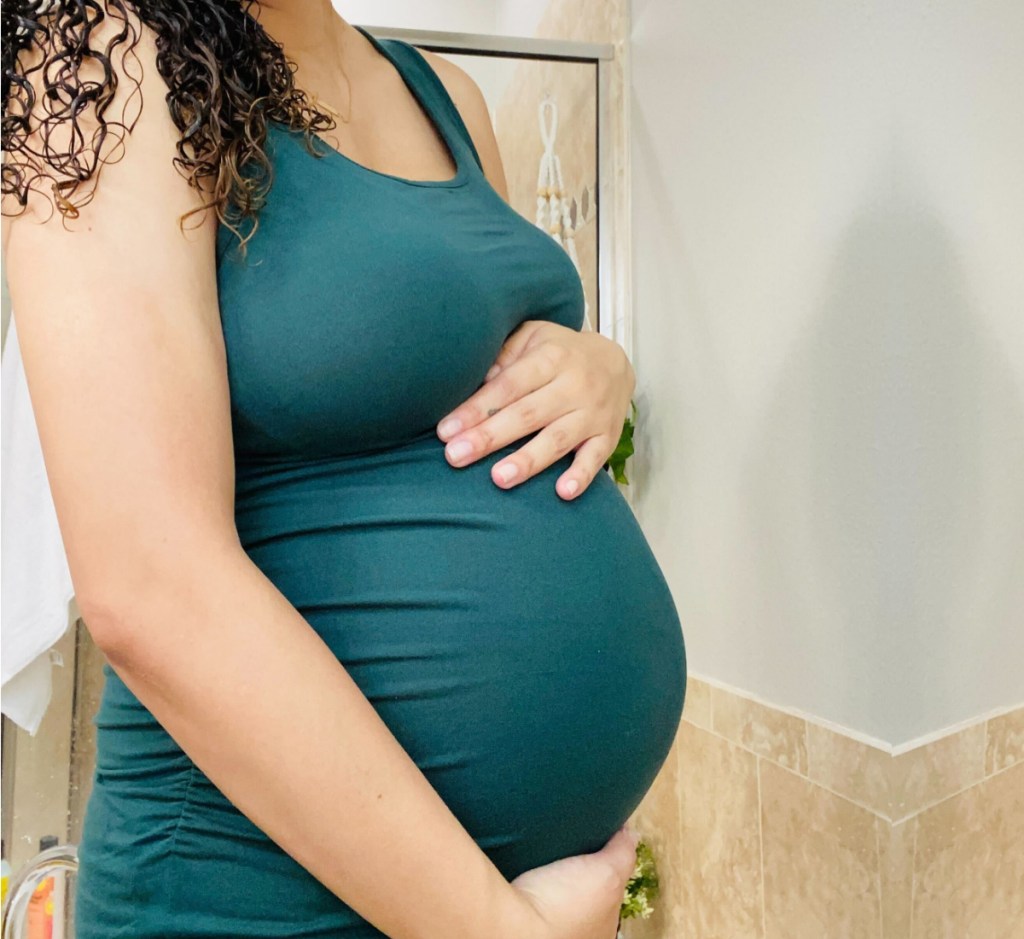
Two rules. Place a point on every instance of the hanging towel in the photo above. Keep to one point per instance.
(36, 595)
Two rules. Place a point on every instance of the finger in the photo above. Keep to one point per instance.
(517, 340)
(515, 344)
(620, 852)
(556, 440)
(522, 377)
(591, 456)
(528, 414)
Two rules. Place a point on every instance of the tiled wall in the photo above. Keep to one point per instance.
(767, 825)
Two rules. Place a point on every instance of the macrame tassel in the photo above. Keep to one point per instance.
(553, 214)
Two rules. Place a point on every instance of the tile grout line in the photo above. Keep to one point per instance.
(852, 734)
(984, 751)
(807, 749)
(797, 773)
(867, 808)
(958, 792)
(760, 844)
(913, 882)
(881, 892)
(797, 713)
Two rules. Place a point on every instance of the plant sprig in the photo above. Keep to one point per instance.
(624, 450)
(643, 887)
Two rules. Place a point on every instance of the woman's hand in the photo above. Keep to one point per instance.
(577, 386)
(578, 897)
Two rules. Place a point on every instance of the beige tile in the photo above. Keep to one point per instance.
(658, 821)
(969, 863)
(719, 845)
(697, 707)
(896, 864)
(1005, 741)
(933, 772)
(585, 20)
(852, 769)
(821, 861)
(768, 732)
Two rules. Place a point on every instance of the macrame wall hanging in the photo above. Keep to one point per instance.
(553, 211)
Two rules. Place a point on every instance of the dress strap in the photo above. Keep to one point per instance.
(433, 94)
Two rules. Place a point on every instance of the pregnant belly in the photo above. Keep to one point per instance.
(525, 650)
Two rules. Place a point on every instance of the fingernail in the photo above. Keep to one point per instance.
(571, 486)
(507, 472)
(491, 372)
(449, 426)
(459, 449)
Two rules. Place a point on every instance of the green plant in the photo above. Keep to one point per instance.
(643, 886)
(624, 450)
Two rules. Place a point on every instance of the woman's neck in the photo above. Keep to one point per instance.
(314, 36)
(304, 28)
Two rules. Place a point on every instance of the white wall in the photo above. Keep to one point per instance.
(501, 17)
(519, 17)
(829, 247)
(466, 16)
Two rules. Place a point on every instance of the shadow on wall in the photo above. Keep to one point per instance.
(880, 495)
(683, 333)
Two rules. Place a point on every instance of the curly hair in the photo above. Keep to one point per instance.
(226, 79)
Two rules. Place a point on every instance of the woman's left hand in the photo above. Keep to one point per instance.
(577, 386)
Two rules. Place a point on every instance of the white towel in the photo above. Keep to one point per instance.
(35, 582)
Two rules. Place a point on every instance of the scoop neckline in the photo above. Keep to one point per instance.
(461, 175)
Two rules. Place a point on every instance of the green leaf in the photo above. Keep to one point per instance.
(624, 450)
(643, 887)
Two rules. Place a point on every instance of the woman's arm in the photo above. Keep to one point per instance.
(123, 350)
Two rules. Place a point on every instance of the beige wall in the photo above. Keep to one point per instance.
(767, 825)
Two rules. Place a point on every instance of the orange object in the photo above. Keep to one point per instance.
(40, 911)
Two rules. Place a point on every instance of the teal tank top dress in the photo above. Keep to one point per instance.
(524, 650)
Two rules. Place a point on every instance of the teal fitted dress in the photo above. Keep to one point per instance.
(525, 650)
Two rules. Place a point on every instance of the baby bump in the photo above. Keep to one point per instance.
(526, 651)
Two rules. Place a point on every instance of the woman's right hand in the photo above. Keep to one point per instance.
(578, 897)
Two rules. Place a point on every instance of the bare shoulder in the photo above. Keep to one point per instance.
(132, 231)
(66, 165)
(117, 316)
(472, 105)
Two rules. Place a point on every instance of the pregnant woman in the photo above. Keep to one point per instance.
(356, 685)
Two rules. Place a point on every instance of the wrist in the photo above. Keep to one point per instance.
(501, 911)
(518, 918)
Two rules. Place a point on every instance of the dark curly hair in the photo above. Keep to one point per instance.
(226, 79)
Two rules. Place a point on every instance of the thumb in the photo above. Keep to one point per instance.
(514, 345)
(620, 852)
